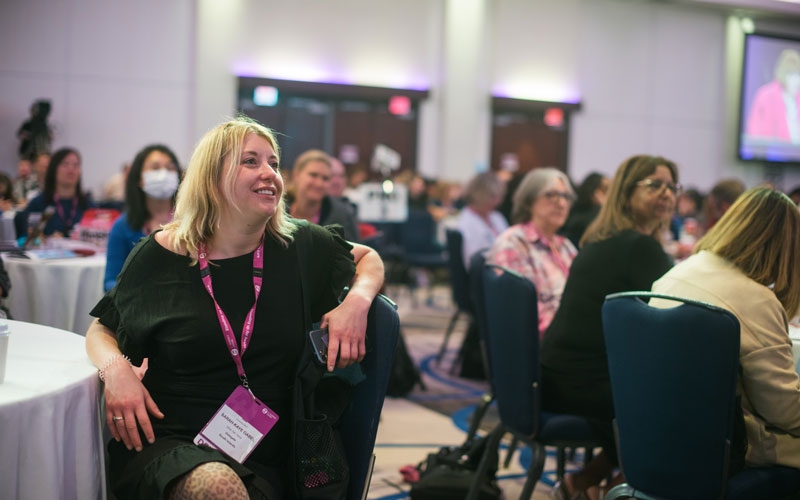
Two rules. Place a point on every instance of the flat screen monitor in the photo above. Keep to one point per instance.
(769, 123)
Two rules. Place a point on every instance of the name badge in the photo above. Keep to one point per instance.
(238, 426)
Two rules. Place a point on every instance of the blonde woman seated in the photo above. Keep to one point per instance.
(531, 247)
(749, 264)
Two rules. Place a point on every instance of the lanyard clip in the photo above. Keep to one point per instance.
(246, 385)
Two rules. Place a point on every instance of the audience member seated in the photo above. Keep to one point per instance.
(336, 189)
(591, 195)
(689, 204)
(5, 287)
(185, 293)
(749, 264)
(794, 194)
(30, 177)
(620, 251)
(531, 247)
(338, 182)
(479, 222)
(150, 188)
(507, 205)
(418, 194)
(684, 228)
(62, 191)
(719, 199)
(357, 176)
(311, 176)
(447, 201)
(114, 189)
(24, 181)
(7, 201)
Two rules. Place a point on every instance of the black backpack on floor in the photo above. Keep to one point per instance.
(448, 473)
(405, 374)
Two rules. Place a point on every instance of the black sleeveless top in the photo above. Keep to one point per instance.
(160, 310)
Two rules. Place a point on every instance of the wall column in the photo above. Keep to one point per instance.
(464, 90)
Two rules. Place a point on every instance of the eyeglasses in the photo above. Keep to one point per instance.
(657, 185)
(552, 196)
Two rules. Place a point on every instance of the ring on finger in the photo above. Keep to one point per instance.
(116, 418)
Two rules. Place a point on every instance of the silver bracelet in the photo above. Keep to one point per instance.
(110, 361)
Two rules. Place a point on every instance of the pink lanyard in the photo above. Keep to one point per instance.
(60, 210)
(227, 331)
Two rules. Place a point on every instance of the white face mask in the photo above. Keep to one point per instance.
(160, 184)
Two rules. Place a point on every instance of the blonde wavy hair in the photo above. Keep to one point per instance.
(760, 235)
(616, 216)
(207, 187)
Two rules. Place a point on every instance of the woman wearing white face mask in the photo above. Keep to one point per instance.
(149, 202)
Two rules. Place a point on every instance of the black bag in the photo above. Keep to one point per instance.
(448, 473)
(317, 463)
(405, 374)
(471, 355)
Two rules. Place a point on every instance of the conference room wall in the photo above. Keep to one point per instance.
(651, 76)
(652, 81)
(119, 75)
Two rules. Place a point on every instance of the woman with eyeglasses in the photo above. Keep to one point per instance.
(620, 251)
(531, 246)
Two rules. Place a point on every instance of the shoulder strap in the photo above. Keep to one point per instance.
(302, 239)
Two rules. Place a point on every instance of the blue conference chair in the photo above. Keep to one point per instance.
(513, 352)
(459, 285)
(673, 377)
(475, 278)
(420, 250)
(360, 422)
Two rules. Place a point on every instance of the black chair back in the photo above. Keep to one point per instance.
(360, 422)
(477, 299)
(418, 234)
(673, 377)
(511, 330)
(459, 277)
(513, 348)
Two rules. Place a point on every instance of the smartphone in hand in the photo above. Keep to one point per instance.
(319, 344)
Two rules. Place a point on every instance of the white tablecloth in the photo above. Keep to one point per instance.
(58, 293)
(51, 444)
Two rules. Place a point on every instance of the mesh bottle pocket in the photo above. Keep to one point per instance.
(321, 469)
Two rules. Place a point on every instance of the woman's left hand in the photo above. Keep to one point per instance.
(347, 327)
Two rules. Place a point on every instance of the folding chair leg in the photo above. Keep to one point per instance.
(535, 471)
(561, 459)
(588, 455)
(477, 416)
(492, 443)
(571, 454)
(447, 334)
(510, 452)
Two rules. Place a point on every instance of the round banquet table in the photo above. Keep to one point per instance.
(58, 292)
(50, 422)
